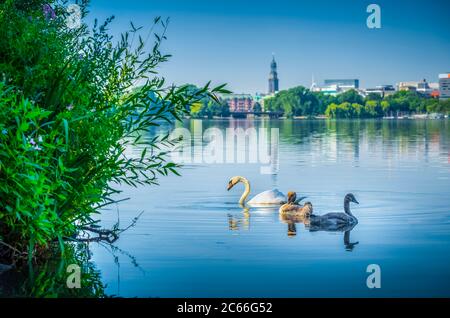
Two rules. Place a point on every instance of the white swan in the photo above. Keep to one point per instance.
(269, 197)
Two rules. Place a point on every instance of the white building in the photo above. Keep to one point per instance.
(335, 87)
(422, 87)
(382, 90)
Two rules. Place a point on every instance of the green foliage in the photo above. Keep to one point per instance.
(405, 101)
(209, 106)
(68, 110)
(257, 107)
(442, 107)
(32, 171)
(299, 101)
(385, 106)
(351, 96)
(49, 277)
(374, 96)
(373, 109)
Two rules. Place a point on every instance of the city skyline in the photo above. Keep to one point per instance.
(233, 42)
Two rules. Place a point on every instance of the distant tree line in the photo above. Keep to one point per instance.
(300, 101)
(207, 106)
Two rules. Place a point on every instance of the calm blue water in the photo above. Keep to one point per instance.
(194, 240)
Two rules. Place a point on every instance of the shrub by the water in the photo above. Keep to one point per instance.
(69, 107)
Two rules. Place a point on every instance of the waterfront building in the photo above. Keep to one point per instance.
(444, 86)
(382, 90)
(241, 103)
(331, 89)
(426, 88)
(422, 87)
(407, 86)
(335, 86)
(344, 84)
(273, 77)
(434, 86)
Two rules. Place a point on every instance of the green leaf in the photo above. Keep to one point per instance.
(66, 131)
(61, 244)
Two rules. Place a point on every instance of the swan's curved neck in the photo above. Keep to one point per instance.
(347, 208)
(246, 191)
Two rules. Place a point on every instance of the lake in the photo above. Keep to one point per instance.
(194, 240)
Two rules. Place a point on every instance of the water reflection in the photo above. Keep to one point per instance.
(399, 169)
(239, 222)
(291, 221)
(349, 245)
(49, 278)
(343, 228)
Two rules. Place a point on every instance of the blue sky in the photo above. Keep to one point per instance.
(232, 41)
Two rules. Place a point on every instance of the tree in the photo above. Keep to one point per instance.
(358, 110)
(373, 109)
(439, 106)
(331, 110)
(208, 106)
(350, 96)
(69, 109)
(374, 96)
(297, 101)
(385, 106)
(257, 107)
(405, 101)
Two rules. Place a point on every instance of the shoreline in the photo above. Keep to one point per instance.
(413, 117)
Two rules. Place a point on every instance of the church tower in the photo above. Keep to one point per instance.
(273, 77)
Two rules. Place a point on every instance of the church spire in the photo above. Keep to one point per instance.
(273, 76)
(313, 83)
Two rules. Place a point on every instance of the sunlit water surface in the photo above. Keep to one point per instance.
(194, 240)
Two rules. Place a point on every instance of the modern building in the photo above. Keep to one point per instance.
(434, 86)
(344, 84)
(330, 89)
(422, 87)
(335, 86)
(273, 77)
(444, 86)
(407, 86)
(382, 90)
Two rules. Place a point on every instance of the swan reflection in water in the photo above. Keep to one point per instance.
(239, 222)
(291, 221)
(349, 246)
(337, 222)
(331, 222)
(292, 229)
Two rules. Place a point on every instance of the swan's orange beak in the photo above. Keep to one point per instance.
(230, 185)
